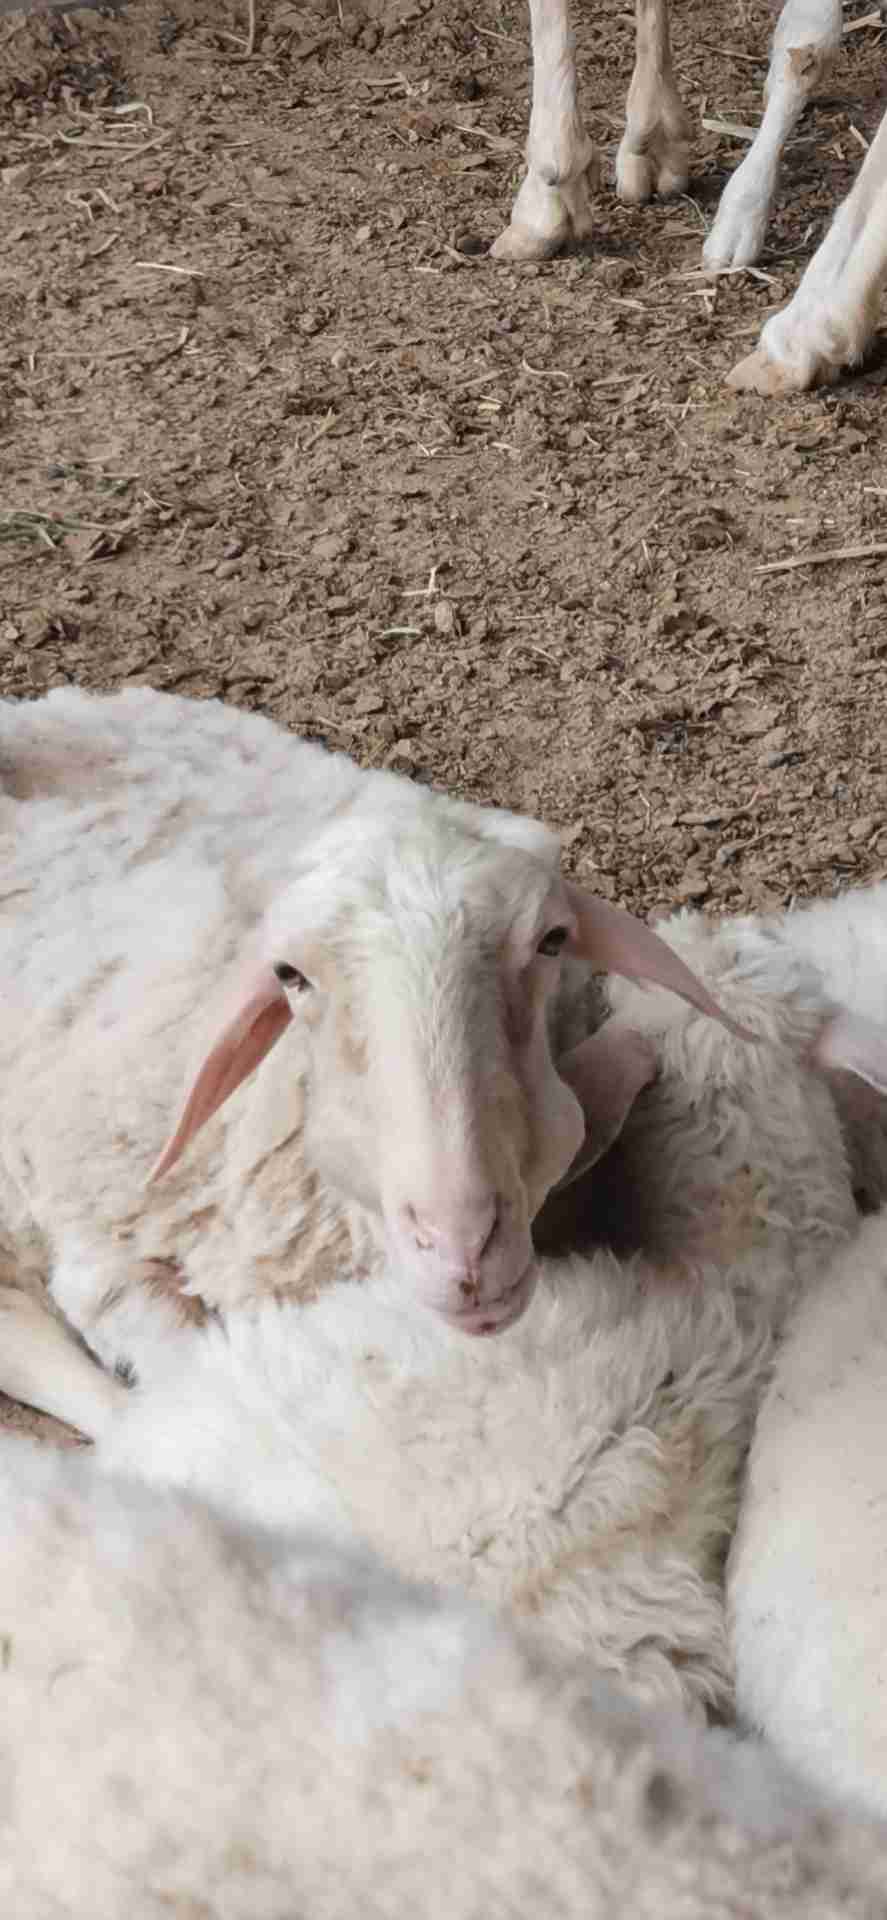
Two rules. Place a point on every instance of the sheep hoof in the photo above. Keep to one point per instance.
(634, 178)
(660, 167)
(759, 373)
(521, 243)
(545, 216)
(737, 235)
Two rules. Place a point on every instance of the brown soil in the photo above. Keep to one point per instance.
(501, 528)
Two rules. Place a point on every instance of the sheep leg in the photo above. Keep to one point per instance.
(807, 37)
(834, 313)
(44, 1366)
(553, 203)
(654, 152)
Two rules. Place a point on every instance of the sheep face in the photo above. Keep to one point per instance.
(433, 1099)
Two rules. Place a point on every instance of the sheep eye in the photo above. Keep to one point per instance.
(553, 940)
(290, 976)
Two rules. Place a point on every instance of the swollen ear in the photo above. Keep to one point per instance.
(854, 1045)
(606, 1073)
(615, 942)
(259, 1019)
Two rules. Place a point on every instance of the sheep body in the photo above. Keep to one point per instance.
(208, 1720)
(809, 1563)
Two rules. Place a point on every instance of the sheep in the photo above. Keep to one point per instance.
(187, 886)
(553, 204)
(806, 1567)
(807, 1578)
(207, 1720)
(581, 1473)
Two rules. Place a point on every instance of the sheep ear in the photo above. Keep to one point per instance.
(259, 1019)
(606, 1073)
(854, 1045)
(614, 942)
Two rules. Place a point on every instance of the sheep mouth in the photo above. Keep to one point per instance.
(497, 1315)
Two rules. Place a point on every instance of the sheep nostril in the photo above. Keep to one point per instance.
(455, 1242)
(468, 1289)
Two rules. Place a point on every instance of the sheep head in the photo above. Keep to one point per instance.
(420, 947)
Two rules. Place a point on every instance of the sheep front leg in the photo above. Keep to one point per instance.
(45, 1367)
(834, 313)
(808, 34)
(553, 204)
(654, 152)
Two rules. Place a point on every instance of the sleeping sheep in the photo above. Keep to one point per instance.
(187, 887)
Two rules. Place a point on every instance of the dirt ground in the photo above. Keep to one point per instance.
(274, 428)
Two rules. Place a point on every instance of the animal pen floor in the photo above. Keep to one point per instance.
(274, 428)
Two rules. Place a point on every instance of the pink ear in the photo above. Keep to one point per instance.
(854, 1045)
(606, 1073)
(259, 1020)
(615, 942)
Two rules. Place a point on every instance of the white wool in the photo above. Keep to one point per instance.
(204, 1722)
(809, 1566)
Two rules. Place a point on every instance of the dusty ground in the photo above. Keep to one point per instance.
(273, 427)
(246, 474)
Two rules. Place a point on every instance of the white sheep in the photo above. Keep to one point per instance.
(554, 201)
(809, 1562)
(185, 883)
(204, 1722)
(583, 1471)
(809, 1566)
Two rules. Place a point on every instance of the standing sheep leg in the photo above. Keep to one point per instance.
(807, 37)
(43, 1366)
(553, 203)
(834, 313)
(654, 152)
